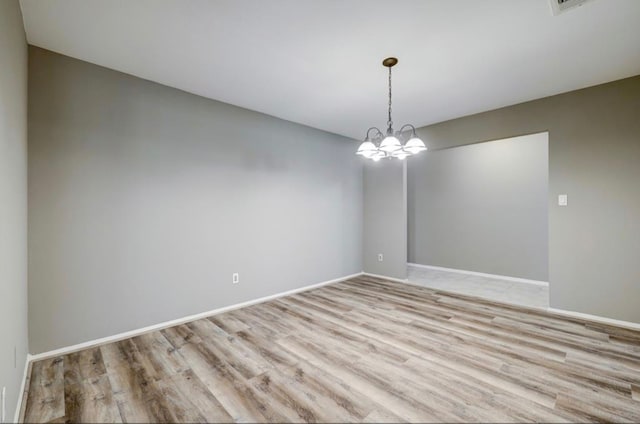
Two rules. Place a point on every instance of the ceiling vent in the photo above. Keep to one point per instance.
(560, 6)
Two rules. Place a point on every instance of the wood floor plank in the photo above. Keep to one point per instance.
(133, 383)
(500, 403)
(363, 350)
(380, 391)
(90, 400)
(87, 363)
(180, 335)
(359, 343)
(397, 338)
(589, 362)
(307, 405)
(346, 398)
(377, 416)
(516, 357)
(46, 391)
(200, 397)
(162, 355)
(594, 409)
(133, 410)
(268, 351)
(218, 342)
(228, 323)
(241, 401)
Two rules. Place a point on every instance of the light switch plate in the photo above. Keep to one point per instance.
(562, 200)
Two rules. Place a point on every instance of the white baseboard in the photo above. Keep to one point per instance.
(27, 362)
(602, 320)
(183, 320)
(384, 277)
(481, 274)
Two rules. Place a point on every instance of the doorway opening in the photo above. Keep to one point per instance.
(477, 220)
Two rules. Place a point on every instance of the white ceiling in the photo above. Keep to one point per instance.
(318, 62)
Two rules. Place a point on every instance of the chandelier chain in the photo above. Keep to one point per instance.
(389, 122)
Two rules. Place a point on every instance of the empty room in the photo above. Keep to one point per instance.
(319, 211)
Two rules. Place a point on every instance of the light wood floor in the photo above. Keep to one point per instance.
(361, 350)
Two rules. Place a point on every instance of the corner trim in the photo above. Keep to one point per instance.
(183, 320)
(595, 318)
(482, 274)
(23, 387)
(384, 277)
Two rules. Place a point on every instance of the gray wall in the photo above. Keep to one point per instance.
(145, 199)
(482, 207)
(594, 157)
(385, 218)
(13, 201)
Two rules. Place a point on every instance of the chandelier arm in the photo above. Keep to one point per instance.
(413, 129)
(379, 133)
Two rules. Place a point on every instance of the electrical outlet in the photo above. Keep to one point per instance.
(380, 257)
(235, 278)
(4, 403)
(562, 200)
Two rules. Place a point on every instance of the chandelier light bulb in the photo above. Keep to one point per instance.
(366, 149)
(390, 144)
(415, 145)
(400, 154)
(378, 155)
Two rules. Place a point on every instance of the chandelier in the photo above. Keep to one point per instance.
(391, 145)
